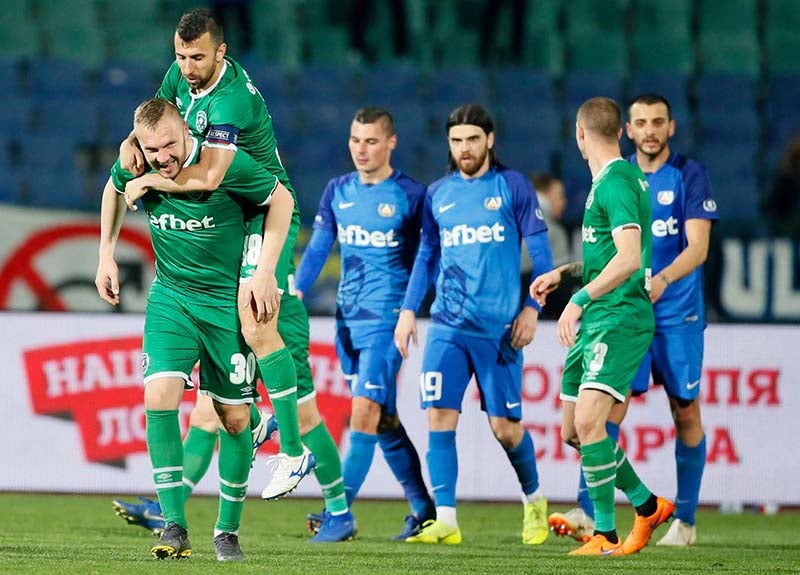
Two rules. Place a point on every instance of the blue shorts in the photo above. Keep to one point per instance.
(370, 362)
(451, 359)
(675, 359)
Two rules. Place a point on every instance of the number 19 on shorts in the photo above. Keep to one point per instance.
(430, 385)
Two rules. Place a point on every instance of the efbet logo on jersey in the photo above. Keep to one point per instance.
(357, 236)
(663, 228)
(464, 235)
(493, 203)
(386, 210)
(172, 222)
(587, 232)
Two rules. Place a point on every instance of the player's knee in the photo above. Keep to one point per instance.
(365, 415)
(508, 433)
(235, 418)
(686, 412)
(588, 426)
(262, 338)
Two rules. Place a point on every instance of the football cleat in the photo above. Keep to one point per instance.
(412, 524)
(643, 527)
(335, 528)
(598, 545)
(534, 522)
(174, 543)
(227, 547)
(146, 514)
(314, 521)
(680, 534)
(434, 531)
(574, 523)
(264, 431)
(287, 472)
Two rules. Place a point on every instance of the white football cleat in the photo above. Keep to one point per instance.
(264, 431)
(574, 523)
(287, 472)
(680, 534)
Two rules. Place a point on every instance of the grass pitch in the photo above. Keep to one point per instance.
(78, 534)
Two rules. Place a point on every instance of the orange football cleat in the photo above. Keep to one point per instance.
(598, 545)
(643, 527)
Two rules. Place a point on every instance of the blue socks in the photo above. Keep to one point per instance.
(690, 462)
(443, 466)
(357, 462)
(584, 501)
(403, 460)
(523, 459)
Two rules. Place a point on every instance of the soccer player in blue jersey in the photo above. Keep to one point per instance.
(473, 223)
(683, 212)
(375, 213)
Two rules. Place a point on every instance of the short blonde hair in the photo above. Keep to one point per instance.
(601, 116)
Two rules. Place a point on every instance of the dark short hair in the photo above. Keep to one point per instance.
(372, 114)
(150, 112)
(601, 116)
(197, 22)
(470, 115)
(649, 99)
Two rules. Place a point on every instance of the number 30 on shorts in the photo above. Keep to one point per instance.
(430, 385)
(243, 369)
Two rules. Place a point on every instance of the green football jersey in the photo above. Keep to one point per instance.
(619, 197)
(230, 114)
(197, 238)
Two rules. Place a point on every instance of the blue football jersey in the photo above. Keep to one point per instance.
(378, 228)
(680, 190)
(476, 225)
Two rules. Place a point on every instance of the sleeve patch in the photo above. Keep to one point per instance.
(224, 135)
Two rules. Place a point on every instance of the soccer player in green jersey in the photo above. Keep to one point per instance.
(616, 329)
(191, 311)
(217, 98)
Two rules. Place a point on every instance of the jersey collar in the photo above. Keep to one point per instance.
(193, 154)
(604, 169)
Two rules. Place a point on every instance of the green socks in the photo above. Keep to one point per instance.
(600, 470)
(235, 452)
(628, 481)
(280, 379)
(328, 469)
(198, 448)
(166, 456)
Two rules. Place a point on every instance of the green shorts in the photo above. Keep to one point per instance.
(179, 332)
(605, 359)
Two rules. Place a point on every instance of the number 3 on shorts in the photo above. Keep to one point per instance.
(430, 385)
(600, 350)
(243, 368)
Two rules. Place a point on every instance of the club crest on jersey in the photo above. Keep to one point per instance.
(145, 362)
(493, 203)
(386, 210)
(201, 120)
(710, 205)
(665, 197)
(539, 214)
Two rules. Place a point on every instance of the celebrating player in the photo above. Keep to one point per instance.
(191, 312)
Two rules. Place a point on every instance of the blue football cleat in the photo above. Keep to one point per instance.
(335, 528)
(264, 431)
(314, 521)
(411, 526)
(146, 514)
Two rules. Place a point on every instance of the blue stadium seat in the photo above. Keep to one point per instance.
(332, 84)
(9, 75)
(63, 189)
(541, 127)
(726, 91)
(11, 185)
(732, 169)
(580, 86)
(16, 114)
(524, 155)
(126, 80)
(388, 86)
(66, 117)
(577, 180)
(50, 77)
(51, 152)
(457, 86)
(271, 80)
(525, 86)
(116, 118)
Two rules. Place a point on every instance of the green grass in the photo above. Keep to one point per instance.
(76, 534)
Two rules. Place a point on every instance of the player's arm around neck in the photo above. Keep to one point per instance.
(204, 176)
(625, 263)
